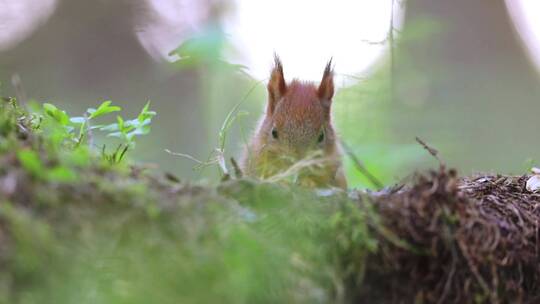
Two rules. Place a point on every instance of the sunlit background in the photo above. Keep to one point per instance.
(526, 17)
(462, 75)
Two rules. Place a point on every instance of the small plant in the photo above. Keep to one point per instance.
(129, 129)
(76, 131)
(217, 156)
(103, 109)
(57, 146)
(116, 156)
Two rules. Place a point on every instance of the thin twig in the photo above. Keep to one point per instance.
(359, 78)
(237, 171)
(220, 156)
(297, 167)
(360, 166)
(16, 82)
(380, 42)
(431, 151)
(219, 152)
(186, 156)
(123, 153)
(231, 116)
(90, 133)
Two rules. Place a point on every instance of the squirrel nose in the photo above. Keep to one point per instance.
(292, 151)
(298, 151)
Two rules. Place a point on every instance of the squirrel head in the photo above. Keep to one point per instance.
(297, 117)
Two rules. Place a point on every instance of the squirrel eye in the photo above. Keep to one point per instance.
(321, 137)
(274, 133)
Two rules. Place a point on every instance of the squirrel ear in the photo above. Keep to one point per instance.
(276, 86)
(326, 88)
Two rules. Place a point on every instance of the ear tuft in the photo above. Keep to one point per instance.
(326, 88)
(276, 86)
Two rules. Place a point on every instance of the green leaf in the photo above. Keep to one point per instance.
(49, 108)
(77, 120)
(61, 174)
(120, 121)
(145, 113)
(58, 115)
(115, 134)
(31, 162)
(146, 107)
(94, 127)
(132, 123)
(207, 46)
(109, 128)
(138, 131)
(103, 109)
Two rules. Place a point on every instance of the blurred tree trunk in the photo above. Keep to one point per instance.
(461, 78)
(475, 39)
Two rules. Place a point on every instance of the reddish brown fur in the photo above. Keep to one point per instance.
(298, 113)
(326, 88)
(276, 86)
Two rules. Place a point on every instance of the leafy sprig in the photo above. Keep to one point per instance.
(78, 130)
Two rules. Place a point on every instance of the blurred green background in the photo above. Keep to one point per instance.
(459, 77)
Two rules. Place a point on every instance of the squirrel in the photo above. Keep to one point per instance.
(296, 130)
